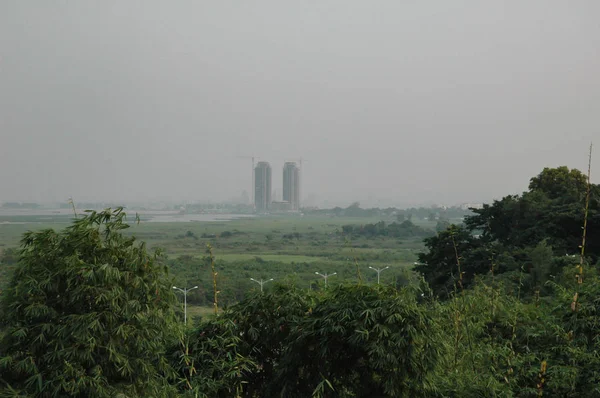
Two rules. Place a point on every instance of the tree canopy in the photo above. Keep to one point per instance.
(504, 232)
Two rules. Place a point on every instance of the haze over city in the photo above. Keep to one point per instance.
(400, 103)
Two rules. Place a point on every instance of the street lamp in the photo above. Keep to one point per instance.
(378, 270)
(185, 292)
(325, 276)
(261, 282)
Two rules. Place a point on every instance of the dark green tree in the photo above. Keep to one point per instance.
(440, 264)
(210, 362)
(264, 321)
(560, 183)
(442, 225)
(551, 209)
(541, 264)
(359, 341)
(238, 352)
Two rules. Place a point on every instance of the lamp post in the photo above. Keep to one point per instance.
(261, 282)
(378, 270)
(185, 292)
(325, 276)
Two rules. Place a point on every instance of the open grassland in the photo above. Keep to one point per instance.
(283, 258)
(287, 248)
(270, 236)
(11, 234)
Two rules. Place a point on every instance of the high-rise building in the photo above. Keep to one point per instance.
(262, 186)
(291, 185)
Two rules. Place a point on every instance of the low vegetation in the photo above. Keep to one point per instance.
(504, 304)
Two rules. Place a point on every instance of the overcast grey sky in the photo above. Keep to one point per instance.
(406, 101)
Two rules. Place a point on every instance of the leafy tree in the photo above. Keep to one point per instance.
(237, 353)
(492, 344)
(190, 234)
(209, 360)
(359, 341)
(578, 325)
(560, 183)
(495, 221)
(541, 264)
(440, 266)
(442, 225)
(88, 313)
(551, 209)
(347, 341)
(264, 321)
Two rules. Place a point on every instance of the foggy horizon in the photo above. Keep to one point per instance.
(388, 102)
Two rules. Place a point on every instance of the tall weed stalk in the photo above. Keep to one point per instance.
(579, 275)
(461, 313)
(214, 275)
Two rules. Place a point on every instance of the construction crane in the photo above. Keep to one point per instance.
(299, 160)
(253, 159)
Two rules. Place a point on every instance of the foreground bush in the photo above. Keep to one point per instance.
(87, 314)
(348, 341)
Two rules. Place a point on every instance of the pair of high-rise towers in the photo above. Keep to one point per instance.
(262, 187)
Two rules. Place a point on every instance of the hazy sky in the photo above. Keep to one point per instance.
(404, 101)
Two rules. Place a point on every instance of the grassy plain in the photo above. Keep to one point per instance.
(286, 248)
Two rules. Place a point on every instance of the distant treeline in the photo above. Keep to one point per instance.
(405, 229)
(17, 205)
(91, 205)
(214, 207)
(421, 213)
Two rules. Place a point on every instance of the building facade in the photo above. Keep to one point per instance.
(291, 185)
(262, 186)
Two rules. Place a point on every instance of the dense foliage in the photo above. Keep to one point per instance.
(87, 314)
(504, 235)
(400, 215)
(502, 310)
(348, 341)
(405, 229)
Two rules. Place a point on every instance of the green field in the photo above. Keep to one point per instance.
(283, 258)
(286, 248)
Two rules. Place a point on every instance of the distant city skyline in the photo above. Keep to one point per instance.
(291, 185)
(262, 186)
(265, 192)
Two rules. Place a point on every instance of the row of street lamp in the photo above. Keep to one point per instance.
(324, 276)
(261, 283)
